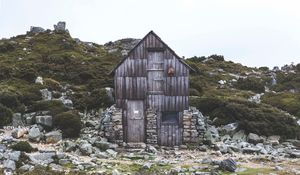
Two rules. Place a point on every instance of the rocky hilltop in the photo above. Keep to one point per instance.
(56, 108)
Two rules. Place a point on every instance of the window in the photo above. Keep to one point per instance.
(170, 117)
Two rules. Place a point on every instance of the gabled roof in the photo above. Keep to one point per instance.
(167, 47)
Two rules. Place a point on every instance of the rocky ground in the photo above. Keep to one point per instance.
(224, 151)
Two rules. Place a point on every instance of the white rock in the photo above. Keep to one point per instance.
(39, 80)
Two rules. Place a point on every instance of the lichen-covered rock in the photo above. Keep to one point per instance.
(254, 138)
(19, 132)
(9, 164)
(53, 137)
(34, 134)
(45, 120)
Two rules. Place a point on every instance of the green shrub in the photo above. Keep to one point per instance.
(30, 95)
(9, 100)
(286, 101)
(217, 57)
(69, 123)
(94, 100)
(259, 119)
(252, 84)
(23, 146)
(6, 47)
(52, 84)
(194, 92)
(54, 106)
(5, 116)
(207, 104)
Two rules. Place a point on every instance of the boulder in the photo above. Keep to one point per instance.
(228, 165)
(86, 148)
(41, 158)
(254, 138)
(151, 149)
(69, 146)
(295, 154)
(102, 145)
(45, 120)
(39, 80)
(60, 27)
(9, 164)
(110, 94)
(26, 167)
(229, 129)
(15, 155)
(53, 137)
(211, 135)
(112, 152)
(147, 165)
(46, 94)
(273, 140)
(239, 136)
(17, 120)
(34, 134)
(34, 29)
(19, 132)
(67, 102)
(250, 150)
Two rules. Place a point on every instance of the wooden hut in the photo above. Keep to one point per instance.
(152, 89)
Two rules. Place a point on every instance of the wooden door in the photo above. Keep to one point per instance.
(170, 132)
(135, 121)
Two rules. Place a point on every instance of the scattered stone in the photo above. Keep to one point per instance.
(151, 149)
(39, 80)
(53, 137)
(60, 27)
(9, 164)
(15, 155)
(19, 132)
(26, 167)
(229, 128)
(254, 138)
(46, 94)
(17, 120)
(112, 152)
(239, 136)
(86, 148)
(228, 165)
(147, 165)
(36, 30)
(102, 145)
(34, 134)
(273, 140)
(278, 168)
(45, 120)
(116, 172)
(41, 158)
(69, 146)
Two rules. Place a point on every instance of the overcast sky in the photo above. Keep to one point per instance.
(251, 32)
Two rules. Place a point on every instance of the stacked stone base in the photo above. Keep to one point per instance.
(193, 126)
(112, 126)
(151, 127)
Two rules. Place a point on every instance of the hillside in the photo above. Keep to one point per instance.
(263, 101)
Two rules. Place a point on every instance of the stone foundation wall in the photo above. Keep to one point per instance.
(193, 126)
(151, 127)
(111, 125)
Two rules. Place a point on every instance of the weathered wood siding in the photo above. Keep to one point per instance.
(143, 78)
(131, 77)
